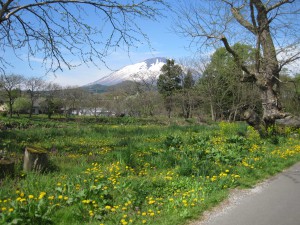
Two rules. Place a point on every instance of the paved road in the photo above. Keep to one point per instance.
(275, 202)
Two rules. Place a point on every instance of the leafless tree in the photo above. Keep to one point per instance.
(34, 86)
(145, 80)
(269, 26)
(52, 99)
(74, 98)
(58, 31)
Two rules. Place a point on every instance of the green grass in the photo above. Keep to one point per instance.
(136, 172)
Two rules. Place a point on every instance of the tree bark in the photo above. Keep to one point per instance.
(268, 77)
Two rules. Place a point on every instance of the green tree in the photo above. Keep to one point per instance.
(290, 93)
(22, 105)
(169, 82)
(220, 84)
(11, 84)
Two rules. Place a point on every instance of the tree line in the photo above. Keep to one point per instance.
(214, 93)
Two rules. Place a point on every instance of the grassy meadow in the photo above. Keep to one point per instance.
(126, 171)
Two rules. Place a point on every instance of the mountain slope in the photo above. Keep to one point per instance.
(148, 69)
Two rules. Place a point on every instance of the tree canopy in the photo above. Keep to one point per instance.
(269, 26)
(221, 87)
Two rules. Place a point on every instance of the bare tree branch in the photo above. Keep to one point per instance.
(86, 29)
(242, 20)
(278, 4)
(249, 76)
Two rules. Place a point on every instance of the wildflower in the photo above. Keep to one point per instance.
(151, 202)
(86, 201)
(91, 213)
(42, 194)
(124, 222)
(30, 196)
(108, 207)
(144, 221)
(11, 210)
(51, 197)
(60, 197)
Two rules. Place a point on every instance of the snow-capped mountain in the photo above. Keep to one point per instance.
(148, 69)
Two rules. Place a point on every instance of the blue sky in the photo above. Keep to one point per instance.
(164, 43)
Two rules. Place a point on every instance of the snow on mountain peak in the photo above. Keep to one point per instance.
(145, 70)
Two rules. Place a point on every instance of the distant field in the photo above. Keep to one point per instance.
(127, 171)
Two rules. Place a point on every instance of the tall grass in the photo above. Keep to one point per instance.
(136, 173)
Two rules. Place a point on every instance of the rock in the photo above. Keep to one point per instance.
(289, 121)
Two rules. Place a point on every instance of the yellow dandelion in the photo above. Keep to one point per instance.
(108, 207)
(113, 209)
(30, 196)
(42, 194)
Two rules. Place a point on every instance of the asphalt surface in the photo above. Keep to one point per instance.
(274, 202)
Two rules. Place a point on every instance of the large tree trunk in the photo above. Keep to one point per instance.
(270, 105)
(267, 68)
